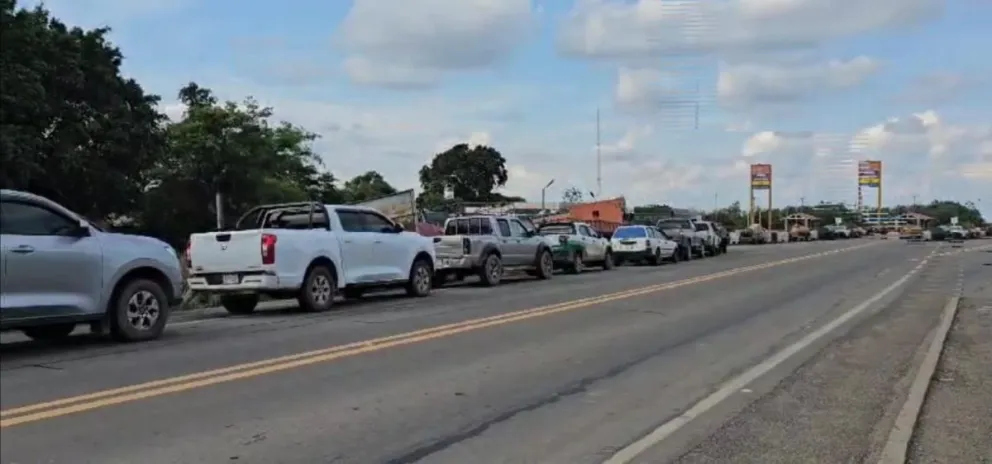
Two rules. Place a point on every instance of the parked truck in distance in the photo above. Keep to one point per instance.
(308, 251)
(683, 232)
(487, 245)
(575, 245)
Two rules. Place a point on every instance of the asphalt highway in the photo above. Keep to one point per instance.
(581, 369)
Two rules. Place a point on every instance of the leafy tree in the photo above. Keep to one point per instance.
(472, 173)
(232, 150)
(368, 186)
(71, 128)
(572, 195)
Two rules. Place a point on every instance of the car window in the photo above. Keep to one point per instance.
(557, 229)
(376, 222)
(352, 221)
(517, 229)
(702, 227)
(588, 232)
(504, 227)
(664, 235)
(631, 232)
(527, 225)
(25, 219)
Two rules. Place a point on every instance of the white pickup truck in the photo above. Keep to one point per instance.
(707, 231)
(308, 251)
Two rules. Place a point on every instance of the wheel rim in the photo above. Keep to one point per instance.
(546, 262)
(422, 279)
(320, 290)
(578, 261)
(492, 265)
(143, 310)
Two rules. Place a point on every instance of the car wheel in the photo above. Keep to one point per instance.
(139, 312)
(319, 289)
(49, 333)
(239, 304)
(421, 279)
(676, 255)
(491, 272)
(656, 259)
(577, 264)
(608, 262)
(545, 265)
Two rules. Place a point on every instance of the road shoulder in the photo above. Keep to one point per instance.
(955, 423)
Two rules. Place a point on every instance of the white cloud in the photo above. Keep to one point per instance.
(415, 42)
(625, 29)
(746, 84)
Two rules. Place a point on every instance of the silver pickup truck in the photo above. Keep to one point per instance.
(683, 232)
(487, 246)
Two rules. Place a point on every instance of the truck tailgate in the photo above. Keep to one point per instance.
(226, 251)
(449, 246)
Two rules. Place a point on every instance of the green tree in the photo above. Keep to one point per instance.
(71, 128)
(232, 150)
(472, 173)
(368, 186)
(572, 195)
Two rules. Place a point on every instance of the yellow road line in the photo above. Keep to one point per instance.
(105, 398)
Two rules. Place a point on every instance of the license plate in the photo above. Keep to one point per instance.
(231, 279)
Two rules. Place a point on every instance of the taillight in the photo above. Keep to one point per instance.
(268, 249)
(187, 256)
(466, 246)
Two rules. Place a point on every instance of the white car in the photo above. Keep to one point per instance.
(308, 251)
(643, 244)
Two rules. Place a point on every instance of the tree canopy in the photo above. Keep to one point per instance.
(472, 174)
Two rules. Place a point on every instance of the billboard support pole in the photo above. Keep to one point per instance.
(769, 207)
(750, 211)
(878, 200)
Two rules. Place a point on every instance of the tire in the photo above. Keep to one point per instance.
(608, 262)
(545, 265)
(655, 259)
(139, 311)
(675, 255)
(239, 304)
(576, 266)
(686, 252)
(421, 280)
(353, 293)
(491, 271)
(318, 291)
(49, 333)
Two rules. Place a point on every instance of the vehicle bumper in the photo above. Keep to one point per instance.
(632, 255)
(248, 283)
(464, 263)
(562, 256)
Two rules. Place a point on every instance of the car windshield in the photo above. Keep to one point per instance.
(702, 228)
(556, 229)
(670, 225)
(630, 232)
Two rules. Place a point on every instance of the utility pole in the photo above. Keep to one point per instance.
(599, 159)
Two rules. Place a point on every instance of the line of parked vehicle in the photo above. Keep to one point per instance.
(60, 270)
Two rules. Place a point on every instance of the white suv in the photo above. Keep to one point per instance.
(642, 244)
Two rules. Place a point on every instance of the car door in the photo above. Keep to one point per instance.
(506, 240)
(48, 272)
(390, 253)
(523, 248)
(357, 248)
(595, 249)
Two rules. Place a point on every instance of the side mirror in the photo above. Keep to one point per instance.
(82, 230)
(398, 228)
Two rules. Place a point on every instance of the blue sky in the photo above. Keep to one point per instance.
(388, 83)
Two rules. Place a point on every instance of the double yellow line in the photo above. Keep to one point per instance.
(101, 399)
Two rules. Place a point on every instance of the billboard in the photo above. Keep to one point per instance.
(870, 173)
(761, 176)
(400, 207)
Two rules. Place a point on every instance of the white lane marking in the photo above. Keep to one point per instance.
(728, 389)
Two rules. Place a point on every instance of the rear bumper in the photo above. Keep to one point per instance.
(248, 283)
(463, 263)
(633, 255)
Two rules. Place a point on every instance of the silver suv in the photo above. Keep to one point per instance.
(60, 270)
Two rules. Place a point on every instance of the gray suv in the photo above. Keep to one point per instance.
(59, 270)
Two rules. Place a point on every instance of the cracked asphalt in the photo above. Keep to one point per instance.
(572, 381)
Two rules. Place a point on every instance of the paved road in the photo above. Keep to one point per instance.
(567, 371)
